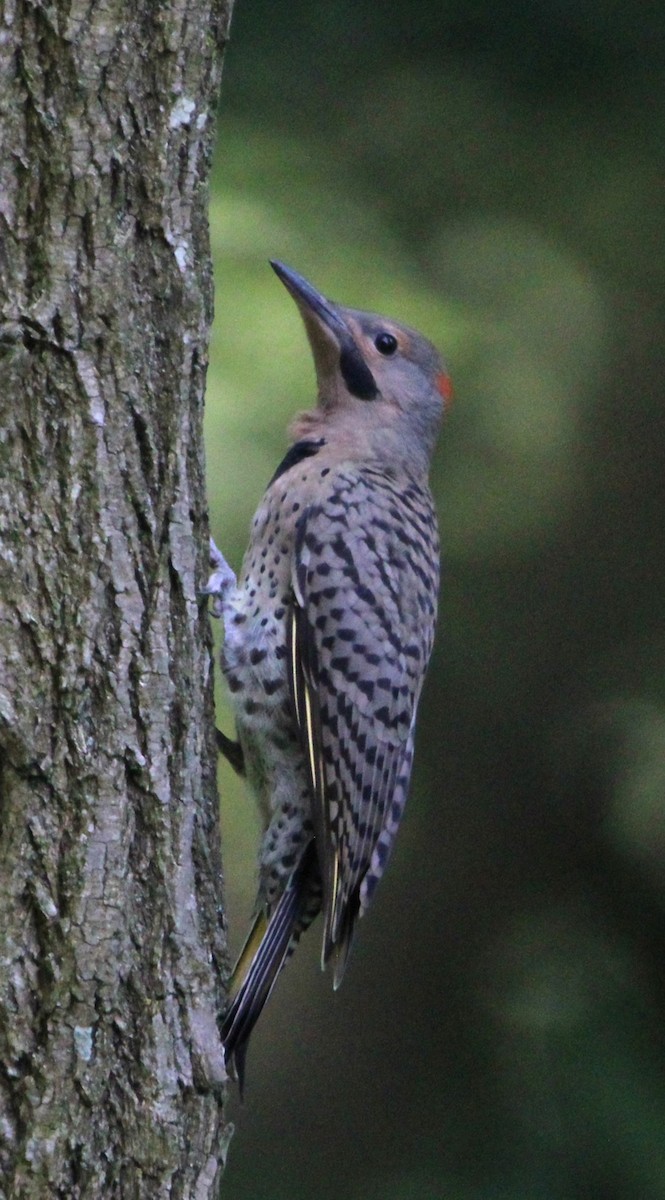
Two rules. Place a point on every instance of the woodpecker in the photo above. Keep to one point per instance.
(327, 635)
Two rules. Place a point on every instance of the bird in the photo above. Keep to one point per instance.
(328, 631)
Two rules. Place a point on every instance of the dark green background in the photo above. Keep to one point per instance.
(492, 174)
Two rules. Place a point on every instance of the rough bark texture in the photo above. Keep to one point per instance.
(111, 945)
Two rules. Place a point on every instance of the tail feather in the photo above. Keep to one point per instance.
(252, 943)
(339, 952)
(262, 963)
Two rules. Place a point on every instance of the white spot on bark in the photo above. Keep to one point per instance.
(181, 113)
(7, 1130)
(45, 901)
(83, 1041)
(87, 373)
(181, 255)
(7, 710)
(39, 1149)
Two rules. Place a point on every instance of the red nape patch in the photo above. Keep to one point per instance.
(444, 386)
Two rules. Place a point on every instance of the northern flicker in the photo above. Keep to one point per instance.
(328, 632)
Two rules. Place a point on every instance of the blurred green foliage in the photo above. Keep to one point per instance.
(490, 174)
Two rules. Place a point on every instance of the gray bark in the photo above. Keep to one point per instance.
(112, 946)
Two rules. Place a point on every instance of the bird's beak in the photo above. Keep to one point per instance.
(329, 318)
(307, 298)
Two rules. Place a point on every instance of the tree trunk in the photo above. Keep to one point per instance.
(111, 946)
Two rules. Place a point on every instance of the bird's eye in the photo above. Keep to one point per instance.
(385, 343)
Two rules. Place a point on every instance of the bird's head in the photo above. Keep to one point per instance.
(382, 387)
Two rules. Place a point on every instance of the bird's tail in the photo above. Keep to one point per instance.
(270, 942)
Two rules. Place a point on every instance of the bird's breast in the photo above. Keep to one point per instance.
(255, 648)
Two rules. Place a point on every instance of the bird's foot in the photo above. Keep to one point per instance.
(220, 581)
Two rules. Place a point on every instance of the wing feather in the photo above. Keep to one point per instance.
(304, 692)
(365, 587)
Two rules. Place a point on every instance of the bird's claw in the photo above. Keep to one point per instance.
(220, 580)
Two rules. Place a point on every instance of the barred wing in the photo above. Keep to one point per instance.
(365, 584)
